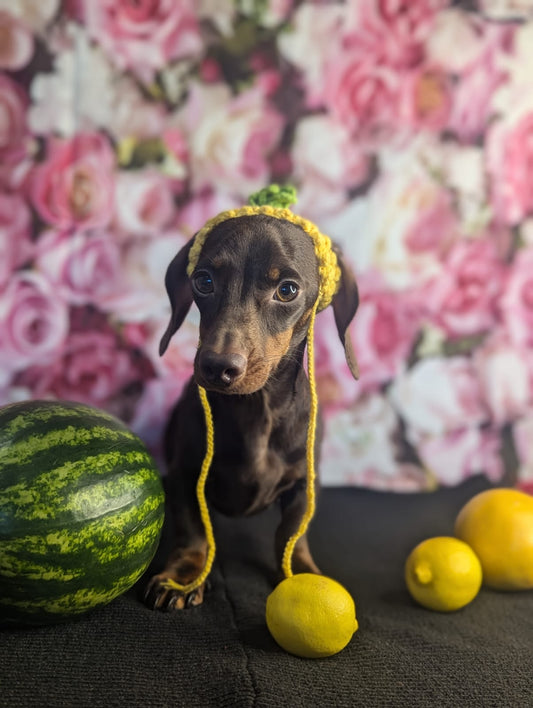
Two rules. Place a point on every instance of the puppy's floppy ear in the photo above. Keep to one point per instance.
(345, 304)
(179, 292)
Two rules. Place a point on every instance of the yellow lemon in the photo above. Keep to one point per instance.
(498, 525)
(443, 573)
(311, 615)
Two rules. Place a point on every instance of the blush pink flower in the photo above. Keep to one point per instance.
(144, 203)
(362, 94)
(194, 214)
(316, 31)
(438, 396)
(460, 454)
(477, 84)
(384, 332)
(83, 267)
(139, 293)
(426, 98)
(144, 36)
(13, 128)
(392, 31)
(463, 298)
(91, 368)
(523, 441)
(359, 447)
(516, 303)
(74, 187)
(326, 162)
(409, 225)
(33, 322)
(15, 230)
(509, 155)
(506, 376)
(231, 138)
(16, 43)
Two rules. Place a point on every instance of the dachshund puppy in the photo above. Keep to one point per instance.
(255, 284)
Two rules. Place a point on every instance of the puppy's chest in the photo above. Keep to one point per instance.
(257, 456)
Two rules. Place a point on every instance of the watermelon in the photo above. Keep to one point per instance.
(81, 510)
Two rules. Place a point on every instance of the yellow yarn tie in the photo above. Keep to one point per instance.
(204, 511)
(310, 451)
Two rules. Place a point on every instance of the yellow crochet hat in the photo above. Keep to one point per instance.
(274, 201)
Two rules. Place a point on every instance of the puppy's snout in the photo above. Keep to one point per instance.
(221, 369)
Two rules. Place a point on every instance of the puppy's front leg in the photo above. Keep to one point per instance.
(293, 504)
(186, 561)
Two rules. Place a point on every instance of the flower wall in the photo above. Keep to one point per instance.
(407, 128)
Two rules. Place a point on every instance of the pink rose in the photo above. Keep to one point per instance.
(82, 267)
(432, 230)
(477, 84)
(505, 373)
(509, 155)
(176, 144)
(384, 332)
(470, 49)
(13, 128)
(458, 455)
(516, 303)
(231, 138)
(362, 94)
(16, 43)
(144, 204)
(393, 31)
(34, 322)
(426, 98)
(15, 229)
(144, 36)
(74, 186)
(92, 368)
(463, 298)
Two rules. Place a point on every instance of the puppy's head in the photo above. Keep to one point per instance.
(255, 282)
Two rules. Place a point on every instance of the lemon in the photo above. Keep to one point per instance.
(443, 574)
(311, 615)
(498, 525)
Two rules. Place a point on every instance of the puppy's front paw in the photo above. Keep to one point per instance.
(158, 596)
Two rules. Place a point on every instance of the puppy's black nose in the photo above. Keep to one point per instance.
(221, 369)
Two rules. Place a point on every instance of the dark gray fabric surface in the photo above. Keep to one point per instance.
(222, 655)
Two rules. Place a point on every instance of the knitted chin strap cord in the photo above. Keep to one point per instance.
(272, 201)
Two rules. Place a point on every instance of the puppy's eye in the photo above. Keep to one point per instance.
(203, 283)
(286, 291)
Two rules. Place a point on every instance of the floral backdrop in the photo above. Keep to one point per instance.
(407, 127)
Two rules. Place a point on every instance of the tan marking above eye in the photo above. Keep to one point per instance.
(273, 274)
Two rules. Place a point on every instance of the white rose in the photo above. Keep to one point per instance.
(35, 15)
(438, 396)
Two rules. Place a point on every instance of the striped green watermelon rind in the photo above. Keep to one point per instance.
(81, 510)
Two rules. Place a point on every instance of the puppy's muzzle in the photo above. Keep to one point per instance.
(221, 371)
